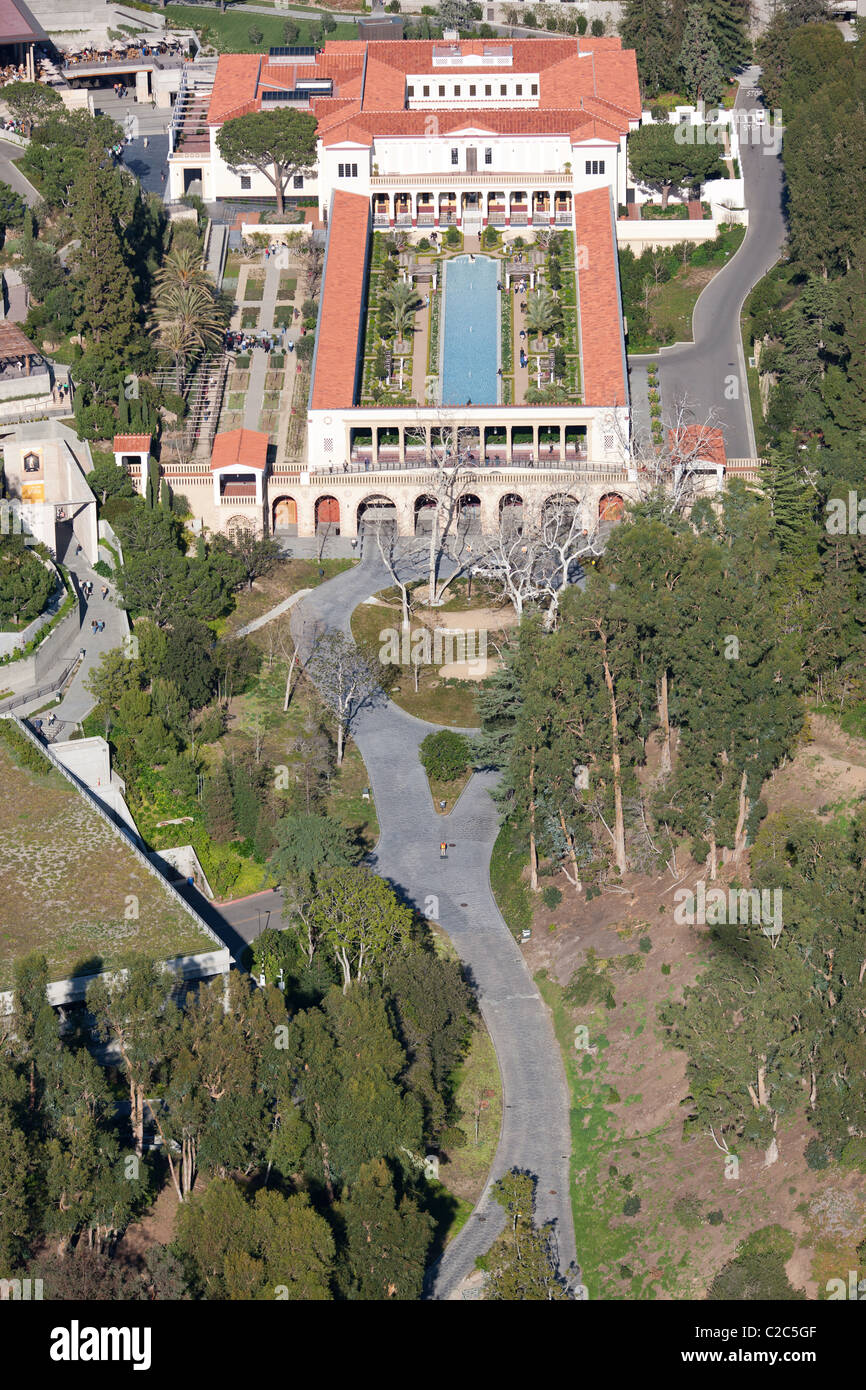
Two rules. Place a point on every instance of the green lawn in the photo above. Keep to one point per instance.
(230, 32)
(437, 700)
(288, 285)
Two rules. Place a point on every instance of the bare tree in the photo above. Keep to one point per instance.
(345, 677)
(672, 474)
(535, 561)
(452, 455)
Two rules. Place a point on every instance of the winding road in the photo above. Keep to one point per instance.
(709, 374)
(535, 1131)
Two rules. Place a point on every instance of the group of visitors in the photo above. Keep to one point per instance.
(61, 392)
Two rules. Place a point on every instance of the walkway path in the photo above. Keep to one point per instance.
(272, 613)
(535, 1129)
(259, 359)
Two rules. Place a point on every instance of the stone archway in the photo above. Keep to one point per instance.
(377, 508)
(511, 512)
(611, 507)
(425, 513)
(327, 513)
(285, 513)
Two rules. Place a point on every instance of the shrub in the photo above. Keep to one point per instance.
(452, 1137)
(666, 970)
(102, 568)
(816, 1155)
(444, 756)
(452, 237)
(715, 1218)
(659, 113)
(424, 244)
(596, 28)
(645, 945)
(552, 897)
(631, 1206)
(613, 1096)
(854, 1154)
(688, 1212)
(581, 23)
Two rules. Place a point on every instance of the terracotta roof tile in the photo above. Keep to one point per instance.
(693, 442)
(131, 443)
(244, 448)
(602, 345)
(339, 327)
(337, 344)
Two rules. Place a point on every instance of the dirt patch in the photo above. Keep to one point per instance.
(827, 771)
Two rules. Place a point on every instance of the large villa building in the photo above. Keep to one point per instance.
(440, 141)
(433, 133)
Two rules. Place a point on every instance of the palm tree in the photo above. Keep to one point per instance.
(400, 302)
(173, 338)
(181, 267)
(185, 318)
(540, 312)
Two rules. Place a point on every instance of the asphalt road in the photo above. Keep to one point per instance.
(10, 174)
(456, 892)
(709, 375)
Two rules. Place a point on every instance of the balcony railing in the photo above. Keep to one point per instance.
(458, 178)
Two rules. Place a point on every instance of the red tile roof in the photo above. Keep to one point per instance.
(576, 75)
(698, 442)
(131, 443)
(602, 345)
(338, 341)
(240, 448)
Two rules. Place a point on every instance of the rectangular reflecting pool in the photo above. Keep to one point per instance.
(470, 331)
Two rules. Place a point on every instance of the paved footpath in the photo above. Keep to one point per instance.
(535, 1131)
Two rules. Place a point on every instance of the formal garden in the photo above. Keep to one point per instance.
(538, 352)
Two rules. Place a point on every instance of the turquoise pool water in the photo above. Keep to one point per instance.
(470, 332)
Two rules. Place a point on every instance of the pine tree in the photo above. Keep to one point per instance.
(108, 308)
(218, 805)
(728, 21)
(701, 66)
(647, 27)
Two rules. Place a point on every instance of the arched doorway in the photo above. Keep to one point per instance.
(560, 516)
(469, 511)
(327, 513)
(611, 507)
(425, 514)
(511, 512)
(285, 513)
(377, 509)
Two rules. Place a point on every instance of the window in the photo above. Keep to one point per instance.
(425, 91)
(328, 446)
(472, 90)
(488, 155)
(298, 181)
(410, 91)
(518, 90)
(454, 154)
(441, 90)
(535, 89)
(607, 443)
(347, 171)
(595, 166)
(457, 90)
(488, 90)
(503, 90)
(246, 181)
